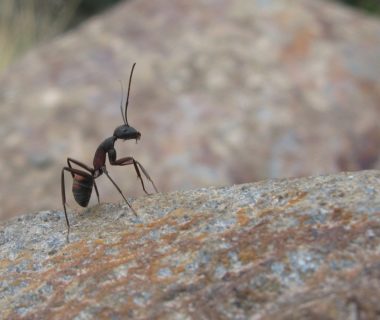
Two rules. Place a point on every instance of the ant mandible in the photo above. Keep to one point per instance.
(84, 181)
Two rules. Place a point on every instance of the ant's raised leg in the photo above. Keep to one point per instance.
(128, 161)
(146, 174)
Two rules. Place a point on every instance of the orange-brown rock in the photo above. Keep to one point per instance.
(280, 249)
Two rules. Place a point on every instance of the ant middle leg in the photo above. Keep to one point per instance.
(118, 189)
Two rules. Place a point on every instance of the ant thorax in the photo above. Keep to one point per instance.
(100, 154)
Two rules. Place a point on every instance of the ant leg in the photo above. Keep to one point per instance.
(129, 160)
(80, 164)
(146, 175)
(96, 191)
(139, 176)
(64, 200)
(84, 166)
(118, 189)
(73, 171)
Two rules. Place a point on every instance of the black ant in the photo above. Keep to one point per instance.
(84, 181)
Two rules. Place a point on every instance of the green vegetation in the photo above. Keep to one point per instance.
(370, 6)
(27, 23)
(24, 24)
(87, 8)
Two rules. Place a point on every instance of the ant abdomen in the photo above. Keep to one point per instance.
(82, 189)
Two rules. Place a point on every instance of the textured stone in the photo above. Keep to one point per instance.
(280, 249)
(224, 92)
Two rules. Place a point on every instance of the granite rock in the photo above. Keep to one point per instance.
(224, 92)
(304, 248)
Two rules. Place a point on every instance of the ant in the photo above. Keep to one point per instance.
(84, 180)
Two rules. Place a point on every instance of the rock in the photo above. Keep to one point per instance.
(278, 249)
(224, 92)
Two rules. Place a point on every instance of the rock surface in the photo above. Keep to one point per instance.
(280, 249)
(224, 92)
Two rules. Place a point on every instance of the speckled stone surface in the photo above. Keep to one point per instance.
(224, 92)
(280, 249)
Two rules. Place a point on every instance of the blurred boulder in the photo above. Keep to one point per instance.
(224, 92)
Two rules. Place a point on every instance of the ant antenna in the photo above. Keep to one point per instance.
(121, 102)
(126, 103)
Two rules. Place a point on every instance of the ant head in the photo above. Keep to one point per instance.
(125, 132)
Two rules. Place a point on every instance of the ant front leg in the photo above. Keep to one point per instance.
(82, 165)
(128, 161)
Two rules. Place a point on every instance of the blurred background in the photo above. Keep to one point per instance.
(224, 92)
